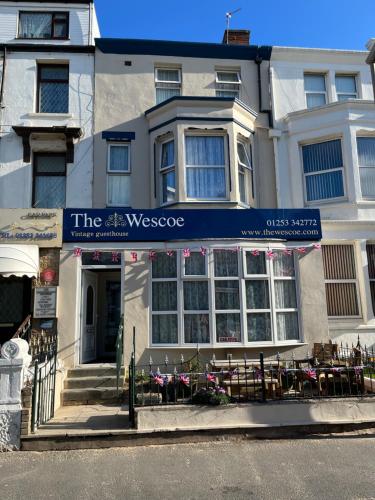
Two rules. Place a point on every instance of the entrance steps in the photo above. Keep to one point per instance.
(90, 385)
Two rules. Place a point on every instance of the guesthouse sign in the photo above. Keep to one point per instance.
(45, 302)
(91, 225)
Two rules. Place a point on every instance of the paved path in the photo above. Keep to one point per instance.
(319, 469)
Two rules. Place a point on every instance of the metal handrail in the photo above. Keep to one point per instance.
(23, 328)
(119, 351)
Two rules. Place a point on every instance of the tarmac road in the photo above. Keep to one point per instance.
(334, 468)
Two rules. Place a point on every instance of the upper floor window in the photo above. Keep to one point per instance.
(167, 83)
(315, 89)
(346, 87)
(43, 25)
(205, 167)
(118, 175)
(228, 84)
(53, 88)
(244, 172)
(366, 161)
(323, 170)
(49, 180)
(168, 172)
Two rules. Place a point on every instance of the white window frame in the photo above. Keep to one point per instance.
(224, 86)
(118, 173)
(326, 171)
(355, 78)
(165, 170)
(165, 83)
(210, 278)
(364, 166)
(312, 73)
(351, 280)
(247, 174)
(209, 133)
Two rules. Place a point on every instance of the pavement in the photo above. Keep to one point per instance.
(86, 420)
(320, 469)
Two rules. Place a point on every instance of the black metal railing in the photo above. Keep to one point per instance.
(348, 372)
(43, 396)
(119, 353)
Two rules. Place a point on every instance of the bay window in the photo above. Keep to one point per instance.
(224, 297)
(371, 271)
(168, 172)
(244, 173)
(205, 167)
(340, 281)
(366, 161)
(323, 170)
(118, 175)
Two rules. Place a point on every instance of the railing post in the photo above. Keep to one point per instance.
(34, 398)
(261, 359)
(132, 390)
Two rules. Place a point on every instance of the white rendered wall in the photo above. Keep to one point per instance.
(20, 89)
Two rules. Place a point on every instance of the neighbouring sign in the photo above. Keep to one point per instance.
(45, 302)
(42, 227)
(164, 225)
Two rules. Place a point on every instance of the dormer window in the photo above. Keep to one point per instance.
(228, 84)
(43, 25)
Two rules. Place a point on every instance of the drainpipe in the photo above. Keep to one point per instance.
(258, 61)
(3, 78)
(275, 134)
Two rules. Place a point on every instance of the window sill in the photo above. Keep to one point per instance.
(231, 345)
(49, 115)
(328, 203)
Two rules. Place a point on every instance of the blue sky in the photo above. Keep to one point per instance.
(344, 24)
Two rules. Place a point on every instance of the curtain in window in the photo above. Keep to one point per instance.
(205, 182)
(366, 160)
(196, 328)
(35, 25)
(285, 294)
(164, 296)
(228, 327)
(257, 295)
(196, 296)
(287, 326)
(226, 263)
(256, 264)
(169, 186)
(283, 265)
(324, 186)
(227, 294)
(165, 266)
(315, 83)
(167, 154)
(119, 158)
(314, 100)
(195, 265)
(164, 329)
(162, 94)
(119, 190)
(49, 191)
(168, 75)
(345, 84)
(259, 327)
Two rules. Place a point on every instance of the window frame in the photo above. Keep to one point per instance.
(364, 166)
(323, 200)
(316, 73)
(166, 170)
(370, 247)
(40, 80)
(355, 78)
(351, 280)
(242, 277)
(44, 174)
(54, 21)
(248, 173)
(116, 173)
(227, 83)
(207, 133)
(157, 80)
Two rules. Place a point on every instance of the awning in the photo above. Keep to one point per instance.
(19, 260)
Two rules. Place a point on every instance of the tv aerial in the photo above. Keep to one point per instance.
(228, 16)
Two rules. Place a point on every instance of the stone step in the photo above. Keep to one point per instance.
(92, 371)
(89, 396)
(92, 382)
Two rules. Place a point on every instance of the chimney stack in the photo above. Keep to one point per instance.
(236, 37)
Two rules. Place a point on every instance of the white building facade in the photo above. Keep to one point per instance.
(324, 144)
